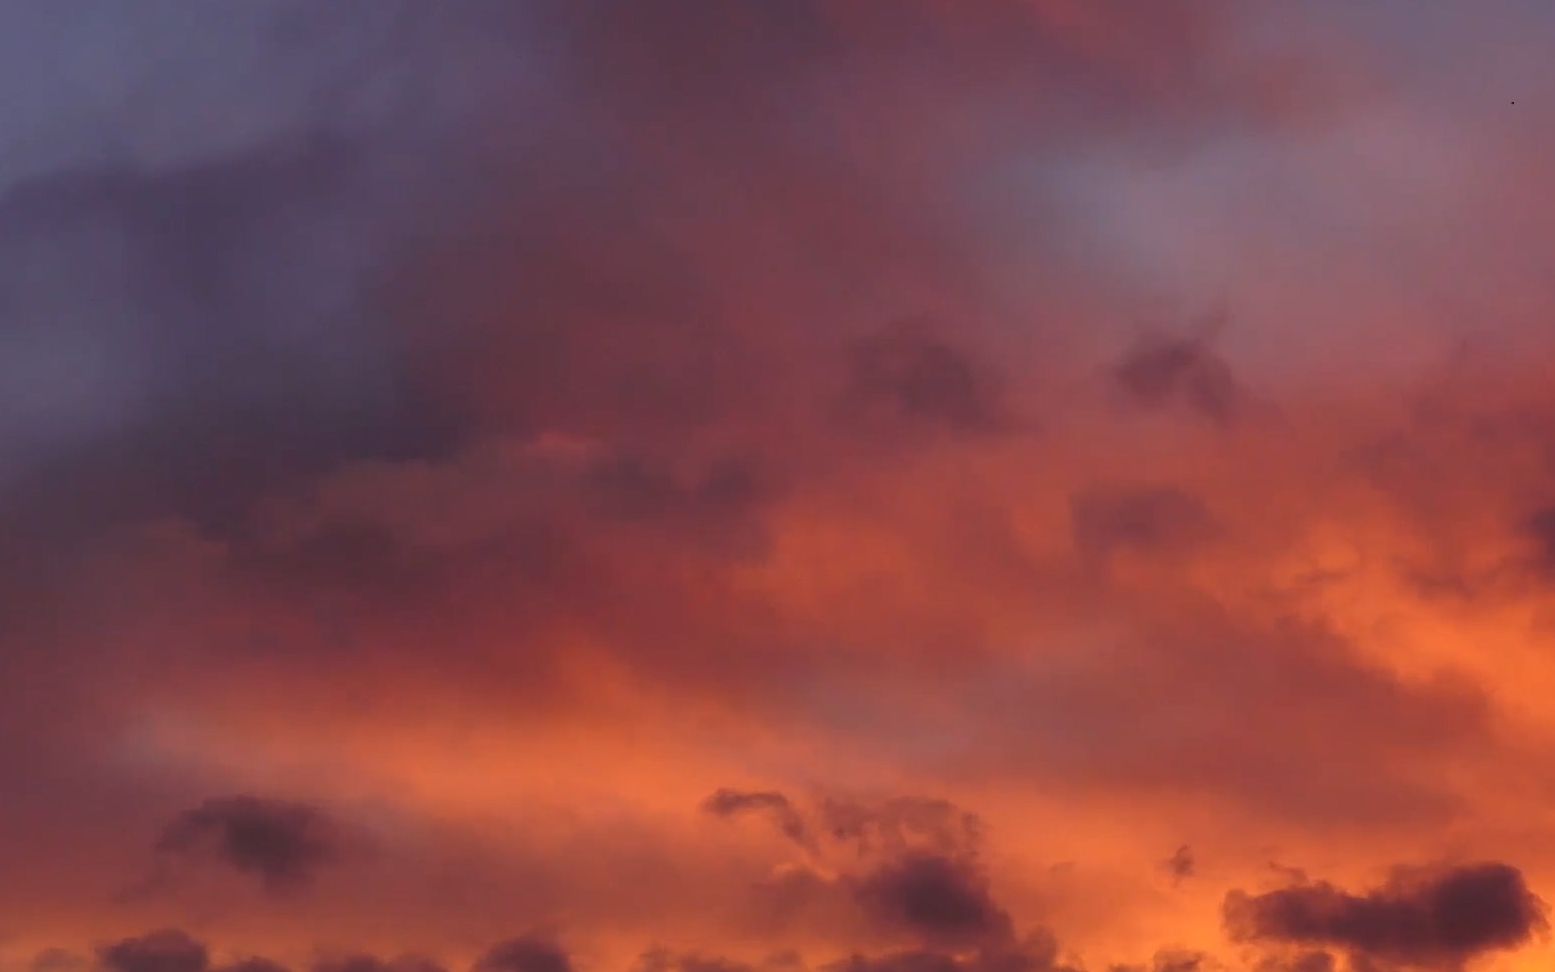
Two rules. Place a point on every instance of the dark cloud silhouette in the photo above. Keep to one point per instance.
(1178, 960)
(869, 829)
(1168, 371)
(1438, 917)
(1037, 952)
(281, 843)
(936, 898)
(125, 400)
(729, 803)
(901, 824)
(1539, 529)
(1180, 865)
(1106, 519)
(166, 950)
(527, 953)
(664, 960)
(1171, 960)
(910, 864)
(909, 372)
(1304, 960)
(364, 962)
(253, 964)
(911, 961)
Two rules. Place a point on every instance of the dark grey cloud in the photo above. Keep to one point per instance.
(909, 864)
(1179, 960)
(282, 843)
(910, 961)
(900, 824)
(183, 342)
(939, 899)
(1539, 528)
(1302, 960)
(1181, 865)
(909, 372)
(527, 953)
(1435, 917)
(192, 257)
(1186, 372)
(866, 829)
(1172, 960)
(366, 962)
(1037, 952)
(664, 960)
(165, 950)
(728, 803)
(253, 964)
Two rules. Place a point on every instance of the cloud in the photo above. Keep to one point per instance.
(283, 844)
(1309, 960)
(729, 803)
(1173, 960)
(1038, 952)
(527, 953)
(1180, 865)
(366, 962)
(1149, 519)
(907, 372)
(166, 950)
(254, 964)
(1161, 372)
(936, 898)
(123, 403)
(909, 864)
(901, 824)
(665, 960)
(847, 831)
(523, 374)
(1435, 917)
(1209, 702)
(1539, 529)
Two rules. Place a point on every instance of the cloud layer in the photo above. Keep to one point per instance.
(744, 487)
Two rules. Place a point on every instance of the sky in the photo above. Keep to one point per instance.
(777, 486)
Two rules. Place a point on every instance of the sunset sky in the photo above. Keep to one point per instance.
(777, 485)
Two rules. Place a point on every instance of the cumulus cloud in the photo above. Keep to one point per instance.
(1181, 865)
(727, 803)
(165, 950)
(908, 372)
(1161, 372)
(665, 960)
(935, 898)
(254, 964)
(367, 962)
(910, 864)
(1433, 917)
(527, 953)
(1038, 952)
(281, 843)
